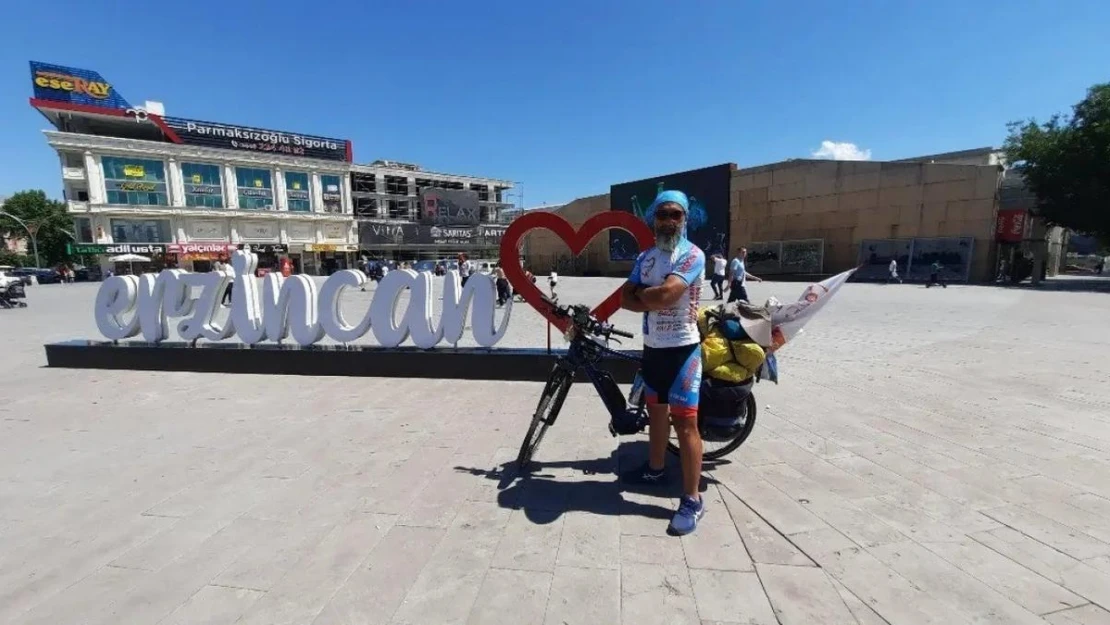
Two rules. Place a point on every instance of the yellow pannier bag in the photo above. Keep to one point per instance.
(728, 361)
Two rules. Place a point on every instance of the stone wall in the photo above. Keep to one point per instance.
(845, 202)
(840, 202)
(544, 251)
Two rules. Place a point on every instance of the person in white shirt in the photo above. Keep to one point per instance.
(552, 281)
(717, 280)
(464, 267)
(893, 268)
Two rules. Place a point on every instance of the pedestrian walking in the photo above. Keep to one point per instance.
(934, 275)
(739, 276)
(893, 272)
(717, 280)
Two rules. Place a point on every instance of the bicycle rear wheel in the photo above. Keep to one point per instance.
(551, 401)
(717, 449)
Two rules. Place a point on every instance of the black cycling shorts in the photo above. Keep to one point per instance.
(672, 375)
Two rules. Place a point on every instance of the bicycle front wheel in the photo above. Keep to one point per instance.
(551, 401)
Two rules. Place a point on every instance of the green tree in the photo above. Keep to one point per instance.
(46, 217)
(1066, 164)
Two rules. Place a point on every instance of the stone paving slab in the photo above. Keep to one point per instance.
(931, 456)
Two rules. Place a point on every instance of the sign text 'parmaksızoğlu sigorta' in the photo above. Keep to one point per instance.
(279, 307)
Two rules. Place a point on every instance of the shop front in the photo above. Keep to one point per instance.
(124, 258)
(411, 241)
(324, 259)
(261, 237)
(1014, 251)
(270, 255)
(300, 233)
(199, 257)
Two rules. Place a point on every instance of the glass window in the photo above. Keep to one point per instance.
(256, 189)
(141, 231)
(135, 181)
(366, 206)
(333, 194)
(396, 185)
(363, 183)
(203, 185)
(82, 226)
(483, 191)
(398, 209)
(297, 194)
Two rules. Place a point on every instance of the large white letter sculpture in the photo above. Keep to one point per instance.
(295, 306)
(115, 299)
(289, 304)
(203, 324)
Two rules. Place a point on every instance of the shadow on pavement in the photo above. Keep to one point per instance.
(544, 491)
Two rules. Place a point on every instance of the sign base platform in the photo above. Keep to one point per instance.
(506, 364)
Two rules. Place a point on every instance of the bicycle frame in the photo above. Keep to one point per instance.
(585, 353)
(627, 415)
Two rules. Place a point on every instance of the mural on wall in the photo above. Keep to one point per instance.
(875, 255)
(786, 257)
(915, 258)
(763, 257)
(806, 256)
(707, 226)
(953, 254)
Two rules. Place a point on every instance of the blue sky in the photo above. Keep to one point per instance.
(573, 96)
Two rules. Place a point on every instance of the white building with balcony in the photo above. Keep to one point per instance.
(188, 192)
(193, 199)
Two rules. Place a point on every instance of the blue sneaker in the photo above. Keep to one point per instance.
(686, 518)
(645, 476)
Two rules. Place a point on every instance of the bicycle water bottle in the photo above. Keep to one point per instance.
(637, 392)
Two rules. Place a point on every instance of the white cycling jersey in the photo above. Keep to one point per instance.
(678, 325)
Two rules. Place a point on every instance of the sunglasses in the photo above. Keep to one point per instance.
(673, 215)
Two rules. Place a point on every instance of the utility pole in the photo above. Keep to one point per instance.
(30, 232)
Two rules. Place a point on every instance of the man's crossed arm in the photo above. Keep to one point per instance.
(641, 298)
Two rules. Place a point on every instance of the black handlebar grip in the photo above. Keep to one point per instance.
(626, 335)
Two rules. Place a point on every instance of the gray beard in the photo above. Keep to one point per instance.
(667, 242)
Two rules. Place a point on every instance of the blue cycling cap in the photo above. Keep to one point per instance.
(677, 197)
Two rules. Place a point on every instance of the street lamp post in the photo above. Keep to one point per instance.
(31, 233)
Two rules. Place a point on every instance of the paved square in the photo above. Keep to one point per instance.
(930, 456)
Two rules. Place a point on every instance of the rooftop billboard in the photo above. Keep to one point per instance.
(72, 87)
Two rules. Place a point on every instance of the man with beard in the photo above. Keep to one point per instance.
(665, 285)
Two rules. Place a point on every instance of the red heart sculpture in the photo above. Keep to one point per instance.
(576, 240)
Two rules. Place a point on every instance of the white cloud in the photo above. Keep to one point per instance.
(841, 151)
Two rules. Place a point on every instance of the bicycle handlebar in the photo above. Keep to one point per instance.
(584, 320)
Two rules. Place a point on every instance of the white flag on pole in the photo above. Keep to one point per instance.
(787, 320)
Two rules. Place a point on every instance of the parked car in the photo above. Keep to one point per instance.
(424, 265)
(47, 276)
(5, 279)
(23, 273)
(87, 274)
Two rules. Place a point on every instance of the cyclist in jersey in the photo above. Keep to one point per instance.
(665, 285)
